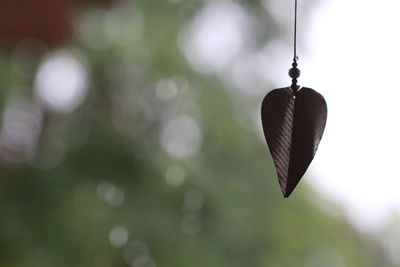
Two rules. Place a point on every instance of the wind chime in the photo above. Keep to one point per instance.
(293, 121)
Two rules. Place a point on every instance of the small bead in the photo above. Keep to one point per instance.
(294, 87)
(294, 73)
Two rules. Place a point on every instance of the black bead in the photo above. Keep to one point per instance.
(294, 73)
(295, 87)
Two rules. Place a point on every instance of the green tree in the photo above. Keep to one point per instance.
(159, 164)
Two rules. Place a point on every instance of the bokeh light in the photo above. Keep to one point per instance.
(61, 82)
(131, 136)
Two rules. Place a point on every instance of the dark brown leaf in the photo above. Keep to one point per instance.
(293, 127)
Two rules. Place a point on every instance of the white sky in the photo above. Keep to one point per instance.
(349, 52)
(354, 61)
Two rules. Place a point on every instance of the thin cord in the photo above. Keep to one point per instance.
(294, 72)
(295, 31)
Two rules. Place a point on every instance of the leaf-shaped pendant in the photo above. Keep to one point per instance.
(293, 124)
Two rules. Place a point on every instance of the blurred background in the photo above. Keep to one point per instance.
(130, 135)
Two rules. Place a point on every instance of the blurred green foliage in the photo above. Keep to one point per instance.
(98, 187)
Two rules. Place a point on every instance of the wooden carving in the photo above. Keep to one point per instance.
(293, 123)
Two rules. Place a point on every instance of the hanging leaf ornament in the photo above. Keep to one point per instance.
(293, 121)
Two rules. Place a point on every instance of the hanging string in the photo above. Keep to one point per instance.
(295, 32)
(294, 72)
